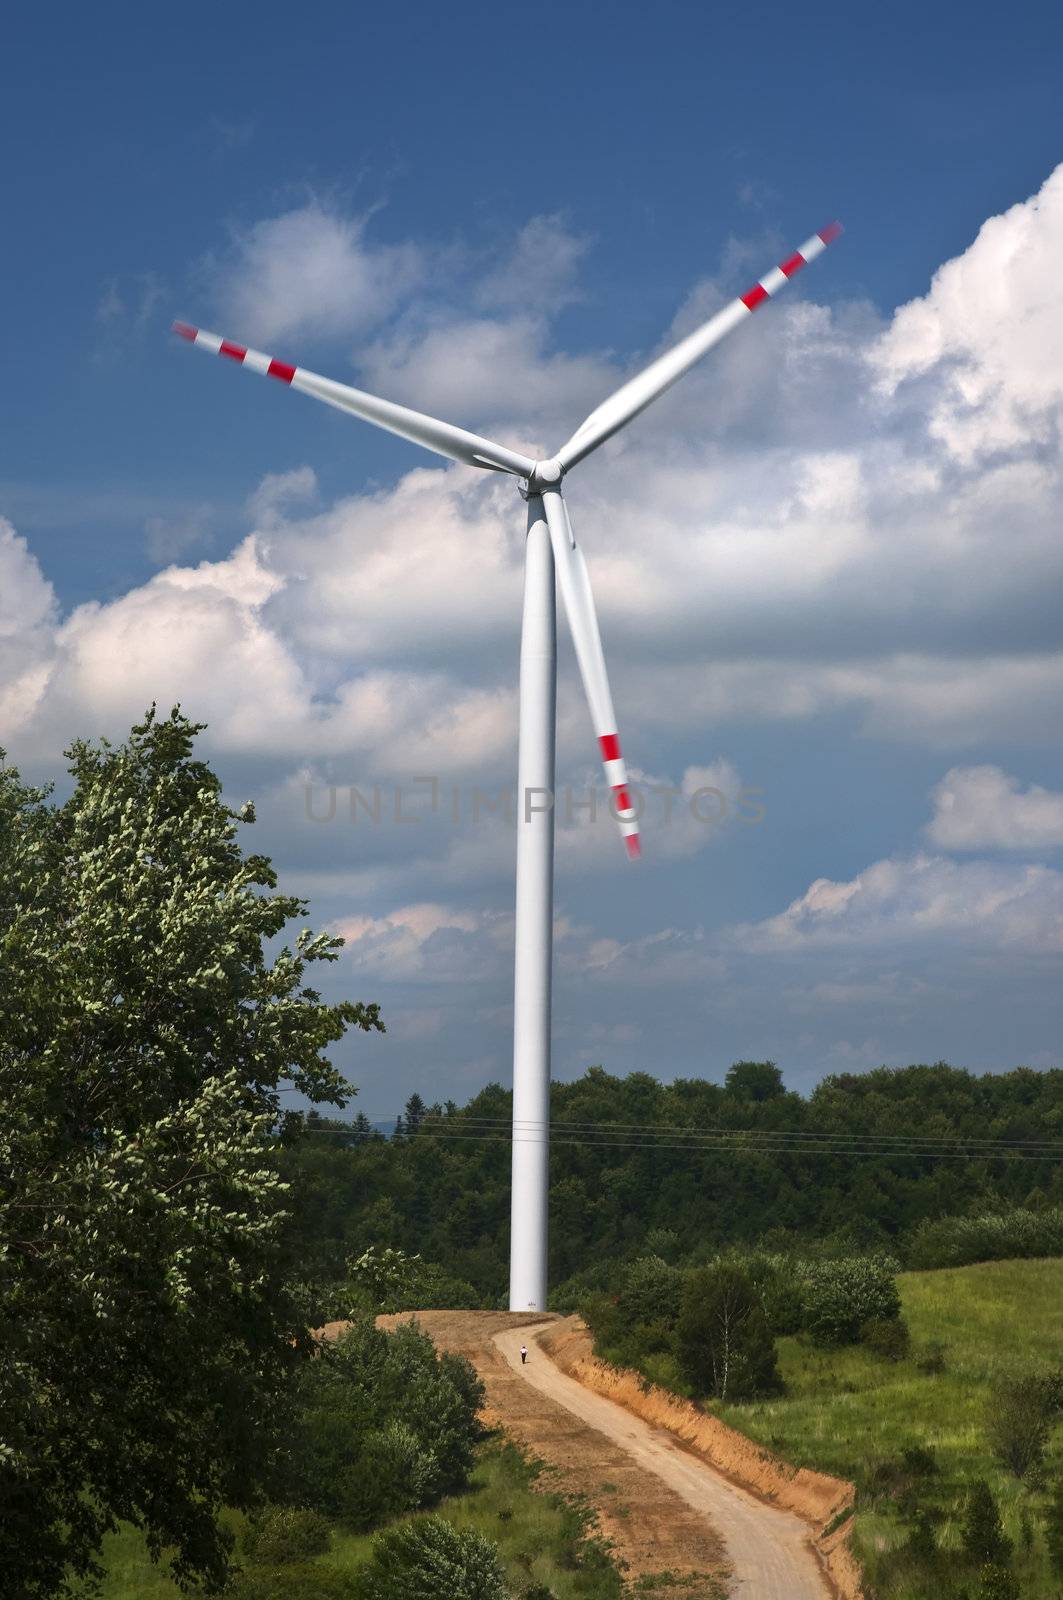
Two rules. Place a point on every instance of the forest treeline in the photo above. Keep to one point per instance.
(866, 1162)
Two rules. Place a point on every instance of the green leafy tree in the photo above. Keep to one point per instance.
(385, 1279)
(146, 1338)
(386, 1425)
(755, 1080)
(723, 1341)
(842, 1297)
(431, 1557)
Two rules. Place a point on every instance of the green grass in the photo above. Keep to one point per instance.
(543, 1538)
(845, 1410)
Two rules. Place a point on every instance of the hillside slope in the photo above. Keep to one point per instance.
(852, 1413)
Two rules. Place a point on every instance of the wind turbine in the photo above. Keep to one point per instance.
(551, 551)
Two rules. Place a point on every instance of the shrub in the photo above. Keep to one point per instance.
(922, 1540)
(997, 1583)
(778, 1280)
(385, 1426)
(902, 1479)
(933, 1357)
(887, 1337)
(841, 1296)
(431, 1557)
(309, 1580)
(1054, 1528)
(991, 1236)
(984, 1539)
(639, 1320)
(723, 1342)
(385, 1279)
(1022, 1408)
(286, 1533)
(650, 1292)
(919, 1460)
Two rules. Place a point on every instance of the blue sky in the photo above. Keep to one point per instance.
(828, 566)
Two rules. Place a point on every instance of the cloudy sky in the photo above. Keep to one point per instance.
(828, 564)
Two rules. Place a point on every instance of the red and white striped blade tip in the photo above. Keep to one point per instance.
(634, 848)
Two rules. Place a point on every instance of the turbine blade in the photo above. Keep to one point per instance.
(441, 437)
(635, 395)
(578, 601)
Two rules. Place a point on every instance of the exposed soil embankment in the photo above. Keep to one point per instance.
(821, 1500)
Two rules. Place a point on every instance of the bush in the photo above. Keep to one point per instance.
(991, 1236)
(922, 1540)
(998, 1583)
(650, 1292)
(431, 1557)
(778, 1281)
(286, 1533)
(933, 1357)
(984, 1539)
(723, 1342)
(385, 1427)
(902, 1479)
(1021, 1411)
(1054, 1528)
(385, 1279)
(841, 1296)
(887, 1337)
(919, 1460)
(303, 1581)
(638, 1321)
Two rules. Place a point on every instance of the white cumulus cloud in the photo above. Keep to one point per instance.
(985, 808)
(313, 270)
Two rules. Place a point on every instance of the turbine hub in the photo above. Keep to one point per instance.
(546, 475)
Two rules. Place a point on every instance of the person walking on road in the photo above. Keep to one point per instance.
(523, 1354)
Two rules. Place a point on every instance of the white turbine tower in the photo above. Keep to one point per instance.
(551, 549)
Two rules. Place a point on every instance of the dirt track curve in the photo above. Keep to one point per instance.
(768, 1549)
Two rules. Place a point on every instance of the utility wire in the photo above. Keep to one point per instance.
(647, 1134)
(438, 1126)
(850, 1146)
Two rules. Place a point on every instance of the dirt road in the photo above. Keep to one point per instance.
(768, 1549)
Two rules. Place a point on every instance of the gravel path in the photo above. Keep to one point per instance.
(768, 1549)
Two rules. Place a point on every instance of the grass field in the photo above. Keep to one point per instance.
(541, 1538)
(845, 1411)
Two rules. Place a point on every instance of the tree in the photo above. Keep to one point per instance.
(385, 1426)
(754, 1080)
(416, 1111)
(723, 1341)
(146, 1338)
(431, 1557)
(842, 1297)
(984, 1539)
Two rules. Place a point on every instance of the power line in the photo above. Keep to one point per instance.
(911, 1148)
(439, 1127)
(436, 1125)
